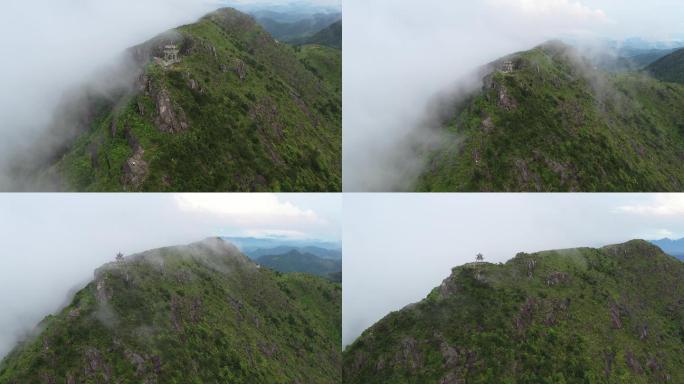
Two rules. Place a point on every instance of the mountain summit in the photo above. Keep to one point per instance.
(549, 120)
(218, 105)
(608, 315)
(201, 313)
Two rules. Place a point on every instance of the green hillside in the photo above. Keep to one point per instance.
(330, 36)
(669, 68)
(608, 315)
(295, 261)
(238, 112)
(556, 123)
(202, 313)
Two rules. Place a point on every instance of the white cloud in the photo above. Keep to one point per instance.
(246, 208)
(566, 10)
(657, 205)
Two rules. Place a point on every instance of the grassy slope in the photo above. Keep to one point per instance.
(279, 128)
(567, 127)
(506, 327)
(669, 68)
(196, 314)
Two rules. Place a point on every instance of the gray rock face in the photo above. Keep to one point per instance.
(135, 170)
(168, 119)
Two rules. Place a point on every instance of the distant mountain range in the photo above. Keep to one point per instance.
(323, 28)
(324, 253)
(316, 257)
(295, 261)
(671, 247)
(250, 245)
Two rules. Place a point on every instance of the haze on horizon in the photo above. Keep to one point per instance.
(52, 243)
(398, 247)
(399, 56)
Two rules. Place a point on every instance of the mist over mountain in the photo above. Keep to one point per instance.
(607, 315)
(549, 119)
(234, 110)
(203, 310)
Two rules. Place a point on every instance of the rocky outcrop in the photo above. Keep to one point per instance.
(135, 170)
(95, 366)
(615, 316)
(170, 119)
(410, 355)
(525, 315)
(557, 278)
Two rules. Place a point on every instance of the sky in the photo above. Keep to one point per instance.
(400, 54)
(52, 243)
(398, 247)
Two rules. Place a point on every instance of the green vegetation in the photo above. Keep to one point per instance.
(324, 62)
(295, 261)
(609, 315)
(239, 112)
(330, 37)
(201, 313)
(556, 123)
(669, 68)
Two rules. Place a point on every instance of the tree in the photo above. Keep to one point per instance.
(119, 257)
(479, 258)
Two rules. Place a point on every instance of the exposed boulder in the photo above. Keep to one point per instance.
(135, 170)
(557, 278)
(169, 119)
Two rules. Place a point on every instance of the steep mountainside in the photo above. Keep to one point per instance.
(330, 36)
(669, 68)
(295, 261)
(202, 313)
(608, 315)
(237, 112)
(553, 122)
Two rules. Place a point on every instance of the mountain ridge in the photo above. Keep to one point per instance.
(549, 120)
(607, 315)
(237, 111)
(201, 311)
